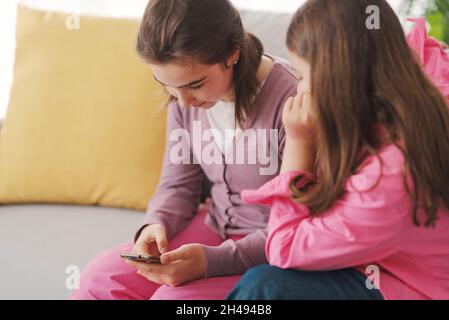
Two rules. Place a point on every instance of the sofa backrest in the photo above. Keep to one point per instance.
(270, 28)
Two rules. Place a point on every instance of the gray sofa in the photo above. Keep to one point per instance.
(38, 241)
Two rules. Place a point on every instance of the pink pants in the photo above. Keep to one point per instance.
(108, 277)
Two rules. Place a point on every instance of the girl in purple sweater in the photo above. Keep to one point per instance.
(224, 123)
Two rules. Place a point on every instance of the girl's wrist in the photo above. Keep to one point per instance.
(298, 155)
(300, 143)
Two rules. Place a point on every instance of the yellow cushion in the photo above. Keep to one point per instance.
(84, 123)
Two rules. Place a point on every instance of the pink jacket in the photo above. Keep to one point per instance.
(434, 59)
(364, 227)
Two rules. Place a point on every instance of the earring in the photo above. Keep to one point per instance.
(235, 62)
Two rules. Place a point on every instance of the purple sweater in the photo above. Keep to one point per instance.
(177, 197)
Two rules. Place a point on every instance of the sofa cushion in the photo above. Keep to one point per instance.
(84, 124)
(39, 242)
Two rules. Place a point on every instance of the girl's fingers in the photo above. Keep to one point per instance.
(179, 254)
(139, 247)
(298, 101)
(153, 268)
(161, 240)
(306, 100)
(289, 103)
(143, 247)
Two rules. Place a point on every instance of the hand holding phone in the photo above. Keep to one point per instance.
(141, 257)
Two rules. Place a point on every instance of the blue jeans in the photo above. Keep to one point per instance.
(266, 282)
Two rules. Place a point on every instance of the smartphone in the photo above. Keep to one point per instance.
(140, 257)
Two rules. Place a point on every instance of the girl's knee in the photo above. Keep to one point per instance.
(255, 283)
(108, 259)
(263, 273)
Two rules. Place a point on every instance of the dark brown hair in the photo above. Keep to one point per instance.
(361, 78)
(207, 31)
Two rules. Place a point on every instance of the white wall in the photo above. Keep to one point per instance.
(117, 8)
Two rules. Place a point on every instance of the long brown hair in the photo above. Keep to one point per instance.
(363, 78)
(207, 31)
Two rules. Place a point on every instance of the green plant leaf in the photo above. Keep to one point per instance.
(436, 21)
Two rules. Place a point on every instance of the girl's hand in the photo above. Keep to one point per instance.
(297, 120)
(152, 241)
(184, 264)
(300, 147)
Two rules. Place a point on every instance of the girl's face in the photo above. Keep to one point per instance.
(194, 84)
(301, 69)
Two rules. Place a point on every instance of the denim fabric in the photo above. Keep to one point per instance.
(266, 282)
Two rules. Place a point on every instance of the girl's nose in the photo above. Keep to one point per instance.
(184, 100)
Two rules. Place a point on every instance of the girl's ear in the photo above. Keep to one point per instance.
(233, 58)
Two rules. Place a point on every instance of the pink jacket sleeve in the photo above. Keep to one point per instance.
(434, 59)
(359, 228)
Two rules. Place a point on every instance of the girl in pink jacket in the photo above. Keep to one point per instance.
(360, 208)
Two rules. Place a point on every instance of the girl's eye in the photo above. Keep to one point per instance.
(196, 87)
